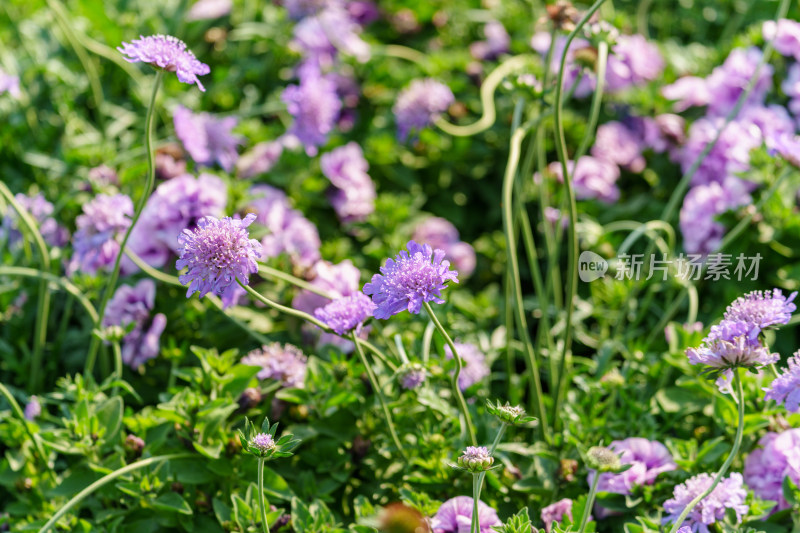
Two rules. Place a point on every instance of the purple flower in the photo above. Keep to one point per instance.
(342, 30)
(496, 44)
(102, 224)
(474, 367)
(615, 143)
(103, 176)
(785, 389)
(411, 375)
(455, 516)
(217, 254)
(634, 61)
(728, 494)
(701, 232)
(289, 231)
(209, 9)
(33, 408)
(264, 442)
(315, 107)
(593, 178)
(260, 159)
(730, 155)
(767, 466)
(169, 53)
(410, 279)
(574, 74)
(175, 205)
(689, 91)
(728, 81)
(787, 146)
(353, 193)
(40, 210)
(555, 513)
(419, 105)
(132, 306)
(284, 363)
(207, 138)
(440, 233)
(9, 84)
(363, 11)
(773, 121)
(344, 315)
(791, 87)
(301, 8)
(762, 309)
(785, 35)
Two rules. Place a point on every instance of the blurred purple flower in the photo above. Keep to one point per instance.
(785, 35)
(132, 305)
(315, 107)
(260, 159)
(40, 210)
(103, 176)
(411, 375)
(455, 516)
(555, 513)
(773, 121)
(573, 72)
(207, 138)
(284, 363)
(440, 233)
(473, 360)
(353, 192)
(168, 53)
(731, 153)
(363, 11)
(301, 8)
(787, 146)
(9, 84)
(102, 224)
(593, 178)
(496, 44)
(411, 278)
(419, 105)
(346, 314)
(728, 81)
(689, 91)
(615, 143)
(33, 408)
(791, 87)
(729, 494)
(217, 254)
(785, 390)
(209, 9)
(702, 233)
(768, 465)
(633, 61)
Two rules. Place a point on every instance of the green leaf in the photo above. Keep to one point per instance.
(275, 486)
(109, 414)
(172, 501)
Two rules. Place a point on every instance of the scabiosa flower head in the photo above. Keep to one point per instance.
(207, 138)
(728, 81)
(785, 36)
(496, 44)
(787, 146)
(593, 178)
(791, 87)
(419, 105)
(353, 192)
(169, 53)
(441, 233)
(33, 408)
(473, 360)
(729, 353)
(689, 91)
(346, 314)
(218, 253)
(315, 106)
(476, 459)
(555, 513)
(728, 494)
(102, 224)
(40, 210)
(702, 233)
(411, 278)
(209, 9)
(411, 375)
(785, 389)
(260, 159)
(132, 306)
(455, 516)
(603, 459)
(767, 466)
(264, 443)
(730, 155)
(633, 61)
(615, 143)
(9, 84)
(762, 309)
(284, 363)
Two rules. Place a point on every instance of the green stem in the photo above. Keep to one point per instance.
(476, 495)
(378, 353)
(492, 449)
(37, 445)
(297, 282)
(572, 241)
(43, 301)
(373, 379)
(106, 480)
(737, 383)
(117, 364)
(64, 283)
(589, 503)
(151, 176)
(261, 505)
(287, 310)
(462, 404)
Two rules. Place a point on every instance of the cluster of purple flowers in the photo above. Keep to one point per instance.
(455, 516)
(419, 105)
(131, 305)
(440, 233)
(289, 232)
(41, 211)
(555, 512)
(100, 228)
(474, 367)
(207, 138)
(767, 466)
(284, 363)
(352, 194)
(728, 494)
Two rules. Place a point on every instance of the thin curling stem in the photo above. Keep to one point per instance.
(376, 386)
(589, 503)
(261, 506)
(462, 404)
(148, 188)
(572, 241)
(737, 442)
(282, 308)
(64, 283)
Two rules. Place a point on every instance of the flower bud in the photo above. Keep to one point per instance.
(476, 459)
(603, 459)
(263, 443)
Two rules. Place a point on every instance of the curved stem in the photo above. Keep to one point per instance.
(462, 404)
(297, 282)
(64, 283)
(587, 511)
(106, 480)
(379, 393)
(151, 176)
(261, 506)
(37, 445)
(288, 310)
(572, 241)
(488, 88)
(43, 300)
(378, 353)
(737, 384)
